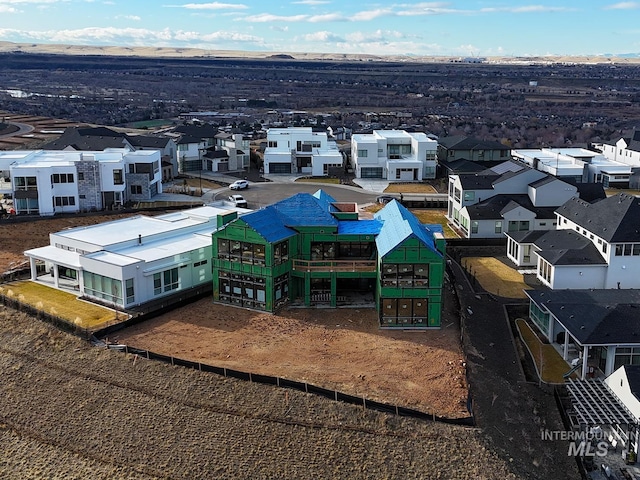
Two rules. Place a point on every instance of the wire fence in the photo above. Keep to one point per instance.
(58, 322)
(306, 387)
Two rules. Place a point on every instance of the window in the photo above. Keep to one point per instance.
(518, 226)
(136, 189)
(64, 201)
(62, 178)
(170, 278)
(362, 153)
(272, 144)
(202, 262)
(25, 183)
(165, 281)
(280, 253)
(469, 196)
(498, 227)
(129, 290)
(118, 178)
(80, 175)
(474, 227)
(405, 275)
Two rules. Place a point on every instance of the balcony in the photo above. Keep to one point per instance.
(335, 265)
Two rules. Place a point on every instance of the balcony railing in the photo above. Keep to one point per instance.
(334, 265)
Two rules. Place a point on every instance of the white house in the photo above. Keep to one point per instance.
(46, 182)
(509, 197)
(626, 150)
(300, 150)
(236, 148)
(394, 155)
(597, 329)
(576, 164)
(135, 260)
(595, 245)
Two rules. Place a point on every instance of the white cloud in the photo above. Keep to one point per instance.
(267, 17)
(7, 9)
(329, 17)
(623, 6)
(212, 6)
(526, 9)
(129, 17)
(311, 2)
(323, 37)
(131, 37)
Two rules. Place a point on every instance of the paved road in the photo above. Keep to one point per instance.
(23, 129)
(262, 194)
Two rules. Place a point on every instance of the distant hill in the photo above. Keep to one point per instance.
(164, 52)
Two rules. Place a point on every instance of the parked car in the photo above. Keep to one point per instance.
(384, 199)
(239, 185)
(238, 201)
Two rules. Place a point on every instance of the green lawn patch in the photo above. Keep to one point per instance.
(550, 364)
(61, 304)
(335, 181)
(496, 277)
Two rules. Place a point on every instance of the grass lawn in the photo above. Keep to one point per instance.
(410, 188)
(548, 361)
(166, 204)
(335, 181)
(437, 217)
(62, 304)
(496, 277)
(614, 191)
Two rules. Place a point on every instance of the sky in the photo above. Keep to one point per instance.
(456, 28)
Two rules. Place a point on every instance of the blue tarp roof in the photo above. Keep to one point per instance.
(398, 225)
(359, 227)
(304, 210)
(268, 224)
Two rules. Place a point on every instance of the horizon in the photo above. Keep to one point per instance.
(464, 28)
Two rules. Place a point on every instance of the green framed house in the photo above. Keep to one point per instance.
(313, 251)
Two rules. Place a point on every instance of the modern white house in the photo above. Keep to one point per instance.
(576, 164)
(395, 155)
(300, 150)
(47, 182)
(132, 261)
(595, 245)
(509, 197)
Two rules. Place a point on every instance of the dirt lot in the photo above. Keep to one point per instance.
(73, 411)
(341, 349)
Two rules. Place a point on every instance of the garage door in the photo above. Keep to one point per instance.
(371, 172)
(279, 168)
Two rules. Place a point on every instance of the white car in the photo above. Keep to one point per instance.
(239, 185)
(238, 201)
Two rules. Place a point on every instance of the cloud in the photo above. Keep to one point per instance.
(623, 6)
(527, 9)
(129, 17)
(7, 9)
(131, 37)
(311, 2)
(323, 37)
(267, 17)
(329, 17)
(211, 6)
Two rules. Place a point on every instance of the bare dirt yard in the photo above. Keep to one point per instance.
(340, 349)
(72, 411)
